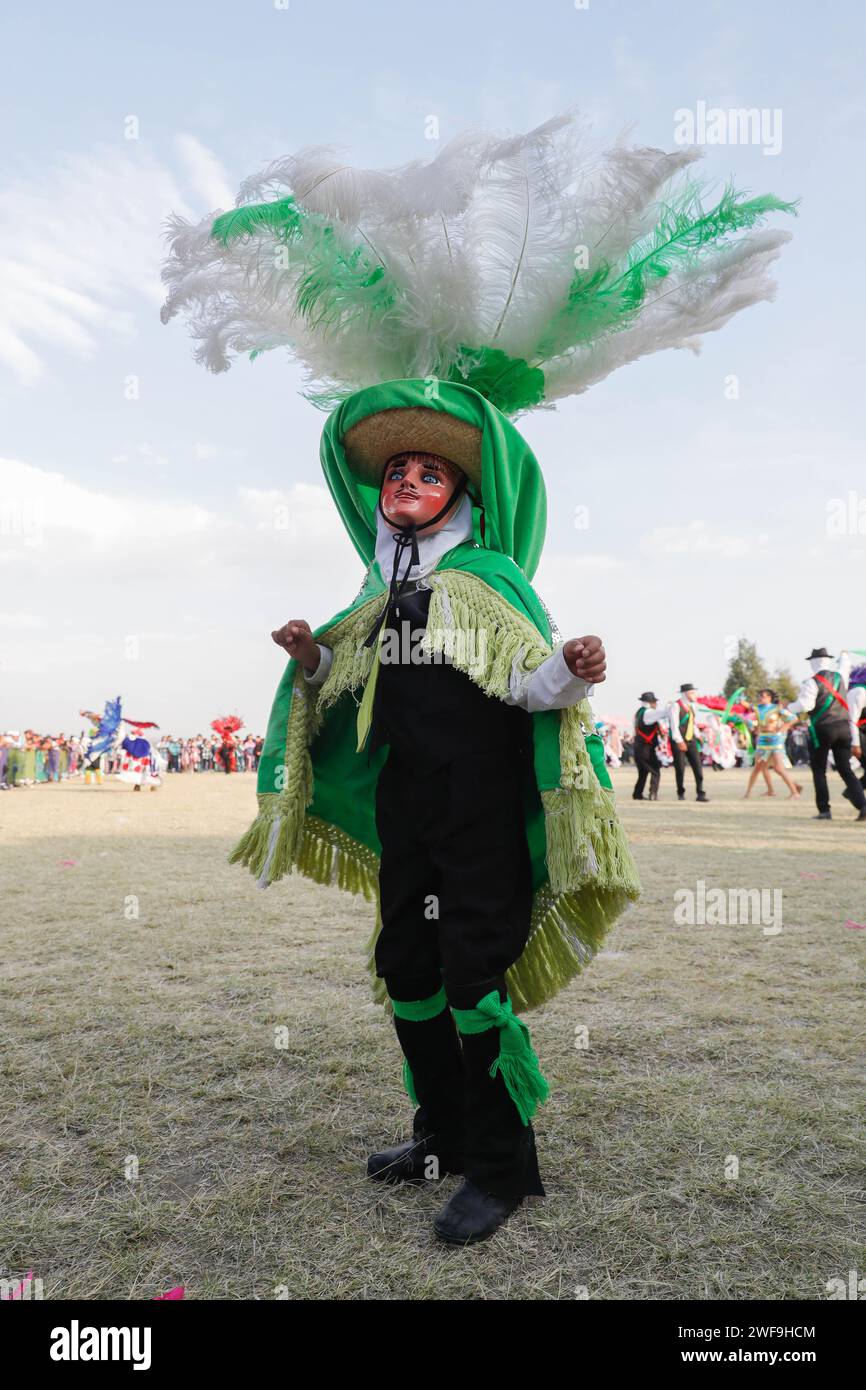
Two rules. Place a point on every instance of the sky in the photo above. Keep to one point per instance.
(138, 550)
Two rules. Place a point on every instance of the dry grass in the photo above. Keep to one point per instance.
(154, 1037)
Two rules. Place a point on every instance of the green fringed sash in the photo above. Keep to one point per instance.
(317, 794)
(517, 1063)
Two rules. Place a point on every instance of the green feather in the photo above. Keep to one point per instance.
(507, 382)
(332, 284)
(611, 295)
(339, 284)
(684, 230)
(283, 216)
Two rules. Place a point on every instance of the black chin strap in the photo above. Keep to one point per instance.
(405, 538)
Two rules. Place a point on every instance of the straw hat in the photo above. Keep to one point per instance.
(377, 438)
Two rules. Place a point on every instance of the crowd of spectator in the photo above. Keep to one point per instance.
(200, 754)
(28, 758)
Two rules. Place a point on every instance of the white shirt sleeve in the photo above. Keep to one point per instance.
(320, 675)
(673, 717)
(655, 716)
(550, 686)
(806, 698)
(856, 704)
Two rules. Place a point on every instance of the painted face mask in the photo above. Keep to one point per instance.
(418, 490)
(418, 493)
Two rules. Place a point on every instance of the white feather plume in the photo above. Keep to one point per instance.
(470, 258)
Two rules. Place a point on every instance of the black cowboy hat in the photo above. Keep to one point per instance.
(647, 697)
(819, 652)
(688, 686)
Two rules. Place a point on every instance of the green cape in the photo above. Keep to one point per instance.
(316, 793)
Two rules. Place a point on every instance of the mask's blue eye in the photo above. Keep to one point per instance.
(395, 474)
(431, 478)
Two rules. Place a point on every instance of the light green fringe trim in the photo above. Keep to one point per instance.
(283, 836)
(592, 877)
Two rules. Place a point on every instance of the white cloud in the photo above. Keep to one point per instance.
(701, 538)
(206, 174)
(82, 240)
(21, 620)
(163, 598)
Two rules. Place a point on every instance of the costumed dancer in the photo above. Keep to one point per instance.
(430, 303)
(103, 737)
(857, 713)
(140, 762)
(822, 697)
(770, 746)
(649, 723)
(227, 752)
(721, 742)
(685, 740)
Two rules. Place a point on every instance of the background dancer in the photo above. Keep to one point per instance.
(685, 743)
(823, 697)
(770, 746)
(648, 724)
(857, 713)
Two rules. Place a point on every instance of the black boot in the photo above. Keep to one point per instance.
(823, 815)
(702, 796)
(471, 1215)
(416, 1161)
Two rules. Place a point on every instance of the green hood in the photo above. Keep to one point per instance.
(512, 487)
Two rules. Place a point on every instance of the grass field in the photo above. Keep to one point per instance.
(143, 982)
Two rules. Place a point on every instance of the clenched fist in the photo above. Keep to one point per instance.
(296, 637)
(585, 657)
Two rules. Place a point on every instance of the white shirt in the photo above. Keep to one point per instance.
(809, 690)
(674, 710)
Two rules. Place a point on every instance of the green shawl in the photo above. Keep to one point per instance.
(316, 793)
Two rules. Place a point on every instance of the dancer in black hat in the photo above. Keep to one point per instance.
(685, 743)
(823, 696)
(647, 727)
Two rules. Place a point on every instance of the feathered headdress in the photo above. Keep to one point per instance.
(229, 725)
(527, 268)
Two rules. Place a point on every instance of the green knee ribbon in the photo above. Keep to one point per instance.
(417, 1011)
(517, 1064)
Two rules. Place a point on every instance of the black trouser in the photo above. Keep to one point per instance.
(692, 756)
(840, 745)
(455, 887)
(648, 766)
